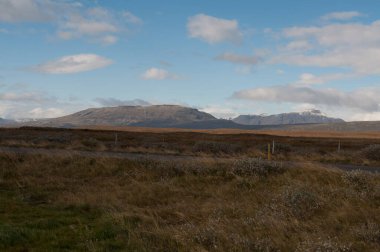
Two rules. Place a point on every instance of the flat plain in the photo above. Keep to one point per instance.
(210, 191)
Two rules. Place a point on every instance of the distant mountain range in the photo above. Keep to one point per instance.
(173, 116)
(308, 117)
(6, 122)
(144, 116)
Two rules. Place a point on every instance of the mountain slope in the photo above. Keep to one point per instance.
(314, 116)
(154, 116)
(5, 122)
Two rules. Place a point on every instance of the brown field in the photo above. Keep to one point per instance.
(79, 203)
(289, 146)
(96, 204)
(290, 133)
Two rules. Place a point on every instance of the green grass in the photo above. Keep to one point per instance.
(45, 227)
(87, 204)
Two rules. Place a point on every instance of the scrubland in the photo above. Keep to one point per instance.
(358, 151)
(83, 203)
(97, 204)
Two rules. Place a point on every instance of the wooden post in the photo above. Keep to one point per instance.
(339, 146)
(269, 154)
(273, 147)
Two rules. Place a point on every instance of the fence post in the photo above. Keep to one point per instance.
(339, 146)
(273, 147)
(269, 154)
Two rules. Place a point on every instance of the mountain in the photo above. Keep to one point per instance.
(6, 122)
(308, 117)
(147, 116)
(173, 116)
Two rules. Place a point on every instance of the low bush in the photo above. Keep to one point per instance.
(217, 147)
(255, 166)
(302, 202)
(372, 152)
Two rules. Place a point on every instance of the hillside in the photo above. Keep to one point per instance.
(308, 117)
(154, 116)
(6, 122)
(173, 116)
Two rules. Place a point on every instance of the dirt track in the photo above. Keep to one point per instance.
(160, 157)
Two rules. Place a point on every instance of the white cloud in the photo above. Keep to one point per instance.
(98, 12)
(351, 34)
(243, 70)
(158, 74)
(26, 10)
(24, 97)
(71, 19)
(352, 46)
(280, 72)
(374, 116)
(17, 101)
(109, 39)
(112, 102)
(45, 112)
(73, 64)
(131, 18)
(95, 25)
(300, 45)
(214, 30)
(238, 59)
(220, 111)
(344, 15)
(365, 99)
(362, 60)
(307, 79)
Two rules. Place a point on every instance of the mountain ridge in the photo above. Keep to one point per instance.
(306, 117)
(174, 116)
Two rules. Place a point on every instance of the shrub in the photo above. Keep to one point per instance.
(91, 143)
(302, 202)
(254, 166)
(369, 232)
(323, 245)
(217, 147)
(282, 148)
(358, 180)
(372, 152)
(207, 237)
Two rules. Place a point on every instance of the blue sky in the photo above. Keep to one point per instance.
(223, 57)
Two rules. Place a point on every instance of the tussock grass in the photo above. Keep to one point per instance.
(354, 150)
(97, 204)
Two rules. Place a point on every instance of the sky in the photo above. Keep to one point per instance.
(223, 57)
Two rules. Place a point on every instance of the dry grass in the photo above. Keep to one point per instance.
(285, 133)
(89, 204)
(360, 151)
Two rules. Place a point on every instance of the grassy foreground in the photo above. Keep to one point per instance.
(86, 204)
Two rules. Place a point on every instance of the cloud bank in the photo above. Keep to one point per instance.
(365, 99)
(238, 59)
(112, 102)
(158, 74)
(73, 64)
(71, 20)
(214, 30)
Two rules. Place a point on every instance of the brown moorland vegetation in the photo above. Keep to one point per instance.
(289, 133)
(97, 204)
(355, 150)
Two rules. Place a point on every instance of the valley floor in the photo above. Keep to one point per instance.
(102, 204)
(185, 192)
